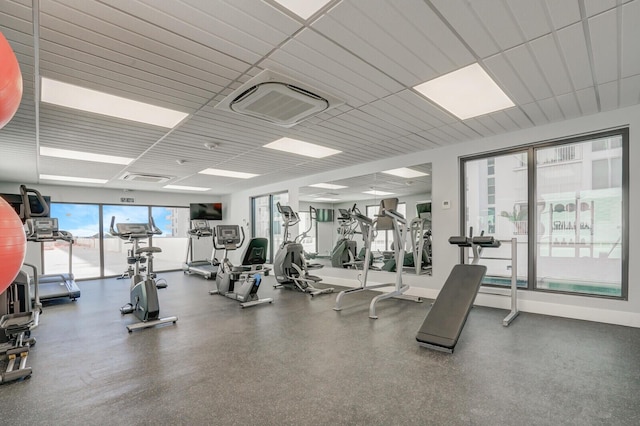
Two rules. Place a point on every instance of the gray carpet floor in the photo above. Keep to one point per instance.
(298, 362)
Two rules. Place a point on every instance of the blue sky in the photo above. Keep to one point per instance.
(82, 219)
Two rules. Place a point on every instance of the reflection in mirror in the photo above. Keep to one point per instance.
(337, 240)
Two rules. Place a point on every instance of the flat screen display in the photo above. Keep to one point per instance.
(205, 211)
(424, 210)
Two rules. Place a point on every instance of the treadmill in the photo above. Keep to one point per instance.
(208, 268)
(53, 286)
(41, 228)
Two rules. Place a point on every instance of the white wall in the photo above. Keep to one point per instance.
(446, 222)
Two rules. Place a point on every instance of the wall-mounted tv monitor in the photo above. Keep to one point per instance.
(324, 215)
(205, 211)
(15, 201)
(424, 210)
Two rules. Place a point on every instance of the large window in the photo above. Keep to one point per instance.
(116, 249)
(496, 204)
(579, 243)
(566, 204)
(83, 222)
(96, 253)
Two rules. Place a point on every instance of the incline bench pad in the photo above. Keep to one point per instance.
(449, 312)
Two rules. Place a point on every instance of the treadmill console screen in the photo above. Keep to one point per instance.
(199, 224)
(45, 226)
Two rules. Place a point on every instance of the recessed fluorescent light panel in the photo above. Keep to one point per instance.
(466, 93)
(374, 192)
(326, 199)
(228, 173)
(186, 188)
(76, 97)
(328, 186)
(303, 8)
(295, 146)
(405, 172)
(83, 156)
(72, 179)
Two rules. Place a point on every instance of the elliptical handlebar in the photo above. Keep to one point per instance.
(313, 215)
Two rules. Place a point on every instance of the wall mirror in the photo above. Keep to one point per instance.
(336, 242)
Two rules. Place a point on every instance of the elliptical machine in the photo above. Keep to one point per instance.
(290, 266)
(344, 253)
(242, 282)
(144, 303)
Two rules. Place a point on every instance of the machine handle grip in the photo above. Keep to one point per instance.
(112, 230)
(24, 192)
(154, 229)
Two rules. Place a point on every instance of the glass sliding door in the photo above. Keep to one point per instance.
(579, 187)
(496, 203)
(83, 221)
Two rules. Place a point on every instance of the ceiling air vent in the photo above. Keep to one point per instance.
(278, 99)
(145, 178)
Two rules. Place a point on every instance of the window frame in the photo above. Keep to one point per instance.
(530, 149)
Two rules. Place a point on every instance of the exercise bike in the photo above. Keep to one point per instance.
(144, 303)
(242, 282)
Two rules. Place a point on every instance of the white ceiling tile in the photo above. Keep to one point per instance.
(527, 68)
(478, 127)
(630, 36)
(569, 105)
(593, 7)
(508, 79)
(505, 121)
(609, 99)
(534, 112)
(490, 123)
(604, 42)
(531, 17)
(587, 100)
(518, 116)
(552, 64)
(467, 132)
(551, 109)
(630, 91)
(498, 20)
(465, 22)
(442, 38)
(564, 12)
(574, 50)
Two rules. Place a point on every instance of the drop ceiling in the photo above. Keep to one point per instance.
(556, 60)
